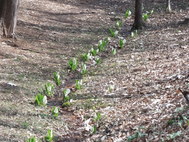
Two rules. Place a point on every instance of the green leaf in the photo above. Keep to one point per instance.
(94, 52)
(33, 139)
(102, 44)
(94, 129)
(73, 63)
(49, 137)
(66, 98)
(114, 51)
(118, 24)
(98, 116)
(55, 111)
(85, 57)
(83, 69)
(40, 99)
(151, 12)
(113, 32)
(66, 92)
(66, 104)
(145, 16)
(57, 78)
(122, 43)
(127, 13)
(97, 60)
(79, 84)
(132, 137)
(49, 89)
(174, 135)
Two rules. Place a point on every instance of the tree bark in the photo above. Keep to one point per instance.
(8, 14)
(2, 2)
(138, 22)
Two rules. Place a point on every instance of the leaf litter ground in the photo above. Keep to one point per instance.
(135, 89)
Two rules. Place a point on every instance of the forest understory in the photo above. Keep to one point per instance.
(131, 95)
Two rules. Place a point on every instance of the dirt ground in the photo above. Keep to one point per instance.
(132, 89)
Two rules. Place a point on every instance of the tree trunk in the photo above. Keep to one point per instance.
(8, 14)
(1, 8)
(168, 5)
(138, 23)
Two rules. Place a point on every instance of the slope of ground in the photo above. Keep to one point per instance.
(134, 90)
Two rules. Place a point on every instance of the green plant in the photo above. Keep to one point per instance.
(49, 89)
(55, 111)
(113, 32)
(146, 15)
(66, 92)
(114, 51)
(136, 135)
(127, 13)
(102, 44)
(33, 139)
(134, 33)
(57, 78)
(94, 129)
(185, 119)
(96, 120)
(85, 57)
(97, 60)
(174, 135)
(40, 99)
(151, 12)
(49, 137)
(83, 69)
(78, 84)
(108, 39)
(94, 52)
(66, 104)
(97, 117)
(73, 63)
(66, 96)
(122, 43)
(118, 24)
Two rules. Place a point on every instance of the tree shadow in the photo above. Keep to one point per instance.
(106, 5)
(120, 6)
(65, 26)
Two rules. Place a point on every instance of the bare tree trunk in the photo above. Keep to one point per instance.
(138, 23)
(9, 11)
(2, 2)
(168, 5)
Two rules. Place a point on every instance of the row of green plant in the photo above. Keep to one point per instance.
(73, 63)
(48, 138)
(51, 89)
(92, 54)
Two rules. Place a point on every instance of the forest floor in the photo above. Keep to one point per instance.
(135, 91)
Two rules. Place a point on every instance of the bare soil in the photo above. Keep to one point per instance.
(135, 89)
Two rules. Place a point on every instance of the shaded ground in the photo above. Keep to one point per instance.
(143, 77)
